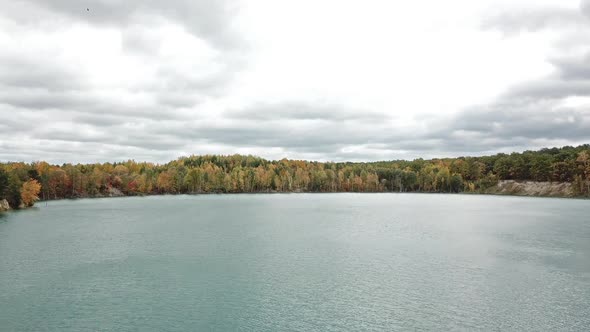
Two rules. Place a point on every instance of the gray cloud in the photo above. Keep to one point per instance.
(538, 18)
(533, 19)
(303, 111)
(573, 67)
(534, 112)
(530, 121)
(205, 19)
(87, 102)
(52, 108)
(552, 88)
(280, 134)
(37, 72)
(18, 71)
(585, 7)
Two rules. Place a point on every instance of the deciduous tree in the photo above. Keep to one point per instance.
(30, 192)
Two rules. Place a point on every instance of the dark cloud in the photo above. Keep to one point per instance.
(551, 88)
(571, 78)
(525, 121)
(573, 67)
(88, 102)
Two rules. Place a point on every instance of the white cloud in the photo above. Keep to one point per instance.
(329, 80)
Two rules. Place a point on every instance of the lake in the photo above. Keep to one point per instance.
(297, 262)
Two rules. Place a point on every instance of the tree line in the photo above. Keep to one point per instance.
(23, 183)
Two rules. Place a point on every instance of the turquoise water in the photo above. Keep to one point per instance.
(298, 262)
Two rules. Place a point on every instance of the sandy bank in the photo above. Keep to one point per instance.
(532, 188)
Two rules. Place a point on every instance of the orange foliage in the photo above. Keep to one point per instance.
(30, 192)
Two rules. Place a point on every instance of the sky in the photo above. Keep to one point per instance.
(329, 80)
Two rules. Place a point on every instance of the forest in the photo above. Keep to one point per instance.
(21, 184)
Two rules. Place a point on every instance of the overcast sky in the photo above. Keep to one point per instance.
(107, 80)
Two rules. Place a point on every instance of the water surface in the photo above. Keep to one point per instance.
(298, 262)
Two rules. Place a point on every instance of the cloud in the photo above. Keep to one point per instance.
(552, 109)
(534, 19)
(526, 120)
(573, 67)
(303, 111)
(202, 18)
(84, 67)
(152, 80)
(585, 7)
(92, 80)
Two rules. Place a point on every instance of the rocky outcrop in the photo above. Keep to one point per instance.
(4, 205)
(532, 188)
(114, 192)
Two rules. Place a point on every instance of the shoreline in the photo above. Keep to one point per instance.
(487, 193)
(319, 193)
(556, 172)
(39, 203)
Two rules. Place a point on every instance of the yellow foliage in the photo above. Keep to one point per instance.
(30, 192)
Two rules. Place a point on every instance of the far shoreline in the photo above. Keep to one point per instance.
(316, 193)
(39, 204)
(492, 193)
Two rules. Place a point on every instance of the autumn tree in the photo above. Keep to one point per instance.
(166, 183)
(236, 173)
(30, 192)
